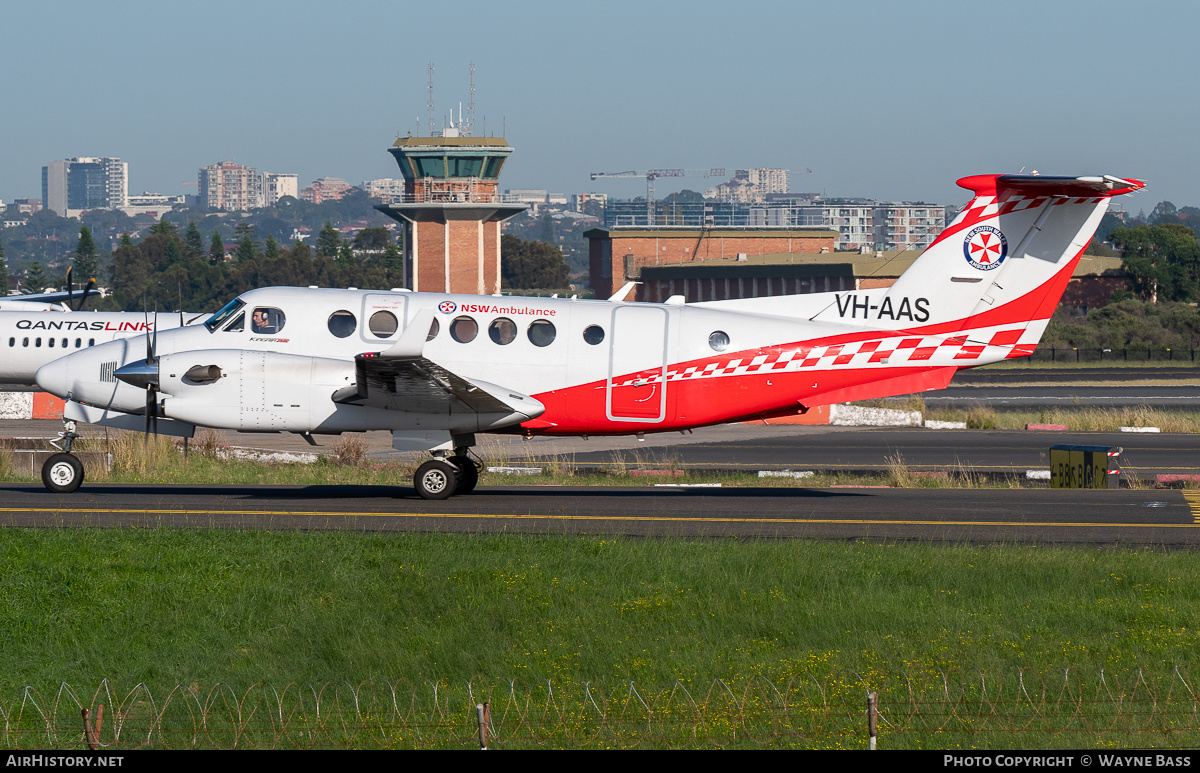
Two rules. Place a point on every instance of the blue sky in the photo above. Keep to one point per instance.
(885, 100)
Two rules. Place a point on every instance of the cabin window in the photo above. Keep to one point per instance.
(65, 342)
(719, 340)
(267, 321)
(503, 331)
(342, 324)
(25, 342)
(91, 342)
(12, 342)
(384, 324)
(51, 343)
(593, 334)
(78, 342)
(433, 330)
(541, 332)
(464, 329)
(38, 343)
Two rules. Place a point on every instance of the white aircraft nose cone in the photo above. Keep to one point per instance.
(55, 377)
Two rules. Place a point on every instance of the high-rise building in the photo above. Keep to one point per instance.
(750, 185)
(229, 186)
(325, 189)
(81, 183)
(276, 185)
(385, 188)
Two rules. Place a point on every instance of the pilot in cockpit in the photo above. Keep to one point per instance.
(264, 322)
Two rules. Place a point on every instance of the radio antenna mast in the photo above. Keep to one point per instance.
(470, 127)
(431, 98)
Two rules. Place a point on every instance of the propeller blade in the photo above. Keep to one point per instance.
(70, 292)
(91, 285)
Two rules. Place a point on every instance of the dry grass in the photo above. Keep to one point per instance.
(350, 450)
(1079, 419)
(898, 475)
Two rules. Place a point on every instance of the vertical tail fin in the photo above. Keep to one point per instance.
(1005, 261)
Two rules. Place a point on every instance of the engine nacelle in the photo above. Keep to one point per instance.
(251, 390)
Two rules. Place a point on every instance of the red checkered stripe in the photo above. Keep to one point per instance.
(895, 350)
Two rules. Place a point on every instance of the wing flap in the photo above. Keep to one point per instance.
(419, 385)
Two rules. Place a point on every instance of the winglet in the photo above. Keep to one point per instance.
(411, 342)
(624, 293)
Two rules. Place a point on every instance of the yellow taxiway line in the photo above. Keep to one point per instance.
(626, 518)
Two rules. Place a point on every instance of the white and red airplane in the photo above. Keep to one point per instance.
(436, 369)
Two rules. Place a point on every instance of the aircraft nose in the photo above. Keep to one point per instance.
(55, 377)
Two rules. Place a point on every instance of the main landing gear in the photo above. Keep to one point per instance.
(63, 472)
(446, 475)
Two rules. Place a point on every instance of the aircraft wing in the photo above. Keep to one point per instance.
(402, 379)
(420, 385)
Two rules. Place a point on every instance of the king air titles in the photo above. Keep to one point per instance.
(857, 306)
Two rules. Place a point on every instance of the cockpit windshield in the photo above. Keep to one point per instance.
(218, 319)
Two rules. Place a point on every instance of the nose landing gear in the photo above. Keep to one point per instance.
(63, 472)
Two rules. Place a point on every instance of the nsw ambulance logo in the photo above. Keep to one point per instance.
(985, 247)
(447, 307)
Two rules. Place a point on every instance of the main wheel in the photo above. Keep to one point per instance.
(62, 473)
(468, 476)
(436, 479)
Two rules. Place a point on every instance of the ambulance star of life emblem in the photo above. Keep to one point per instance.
(447, 307)
(985, 247)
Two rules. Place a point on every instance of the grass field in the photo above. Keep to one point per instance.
(168, 607)
(197, 608)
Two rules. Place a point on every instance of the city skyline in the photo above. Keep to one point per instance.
(887, 101)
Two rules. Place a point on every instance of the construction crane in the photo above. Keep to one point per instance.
(653, 174)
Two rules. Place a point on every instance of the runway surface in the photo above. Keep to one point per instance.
(1027, 516)
(868, 449)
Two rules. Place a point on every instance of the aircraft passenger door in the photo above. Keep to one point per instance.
(637, 382)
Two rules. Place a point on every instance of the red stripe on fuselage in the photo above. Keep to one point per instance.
(717, 396)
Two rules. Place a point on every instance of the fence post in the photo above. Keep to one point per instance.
(484, 712)
(873, 716)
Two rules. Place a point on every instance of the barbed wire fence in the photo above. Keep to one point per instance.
(920, 707)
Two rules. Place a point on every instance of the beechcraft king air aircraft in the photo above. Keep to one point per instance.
(435, 368)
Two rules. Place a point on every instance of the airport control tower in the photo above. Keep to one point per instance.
(451, 210)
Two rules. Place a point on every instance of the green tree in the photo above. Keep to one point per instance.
(35, 277)
(345, 254)
(3, 272)
(193, 242)
(86, 263)
(246, 249)
(1162, 261)
(393, 258)
(164, 228)
(373, 239)
(216, 249)
(329, 241)
(271, 251)
(532, 265)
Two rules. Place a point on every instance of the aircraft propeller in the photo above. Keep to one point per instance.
(91, 285)
(143, 374)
